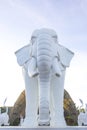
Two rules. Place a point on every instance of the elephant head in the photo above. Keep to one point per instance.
(43, 59)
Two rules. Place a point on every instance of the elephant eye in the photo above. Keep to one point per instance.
(33, 39)
(54, 38)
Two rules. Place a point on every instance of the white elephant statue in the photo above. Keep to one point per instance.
(4, 118)
(82, 117)
(44, 62)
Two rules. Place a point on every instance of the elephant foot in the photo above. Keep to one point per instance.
(30, 123)
(58, 123)
(43, 122)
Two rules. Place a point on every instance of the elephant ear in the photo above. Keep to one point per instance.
(23, 55)
(65, 55)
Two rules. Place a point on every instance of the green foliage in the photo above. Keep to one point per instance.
(15, 122)
(80, 109)
(70, 111)
(70, 121)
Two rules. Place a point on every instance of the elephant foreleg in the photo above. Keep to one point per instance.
(57, 84)
(31, 100)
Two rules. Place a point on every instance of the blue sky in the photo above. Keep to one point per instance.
(19, 18)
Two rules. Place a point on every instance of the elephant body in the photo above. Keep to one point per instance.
(44, 63)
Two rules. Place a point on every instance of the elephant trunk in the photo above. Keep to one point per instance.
(44, 98)
(44, 61)
(44, 53)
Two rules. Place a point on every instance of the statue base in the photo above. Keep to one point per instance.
(43, 128)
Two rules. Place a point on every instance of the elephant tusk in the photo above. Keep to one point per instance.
(56, 67)
(32, 68)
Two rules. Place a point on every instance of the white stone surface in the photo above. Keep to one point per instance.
(44, 63)
(43, 128)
